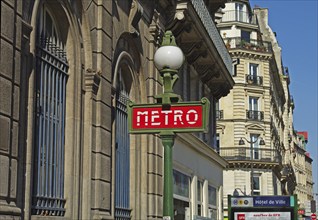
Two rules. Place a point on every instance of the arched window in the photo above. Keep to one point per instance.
(122, 170)
(51, 77)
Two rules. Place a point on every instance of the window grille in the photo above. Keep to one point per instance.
(51, 78)
(122, 209)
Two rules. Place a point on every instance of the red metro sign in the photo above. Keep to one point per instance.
(178, 117)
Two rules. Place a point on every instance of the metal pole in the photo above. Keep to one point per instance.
(168, 141)
(167, 138)
(241, 142)
(169, 78)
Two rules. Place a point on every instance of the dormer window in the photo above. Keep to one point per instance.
(239, 11)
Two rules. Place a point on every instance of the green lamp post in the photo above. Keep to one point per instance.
(168, 59)
(168, 116)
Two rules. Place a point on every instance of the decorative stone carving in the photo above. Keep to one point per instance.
(92, 80)
(135, 15)
(156, 28)
(202, 45)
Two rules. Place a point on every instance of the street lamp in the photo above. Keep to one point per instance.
(261, 142)
(236, 192)
(168, 59)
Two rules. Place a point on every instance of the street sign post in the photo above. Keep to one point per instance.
(168, 116)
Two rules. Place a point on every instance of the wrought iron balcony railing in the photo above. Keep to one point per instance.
(255, 115)
(252, 45)
(238, 16)
(219, 114)
(254, 80)
(245, 154)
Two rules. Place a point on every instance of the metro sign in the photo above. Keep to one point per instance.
(177, 117)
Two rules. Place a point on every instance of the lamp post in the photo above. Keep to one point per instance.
(168, 116)
(168, 59)
(261, 142)
(236, 191)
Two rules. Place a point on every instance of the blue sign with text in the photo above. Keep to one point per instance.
(271, 201)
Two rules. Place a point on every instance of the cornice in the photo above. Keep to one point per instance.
(249, 54)
(202, 45)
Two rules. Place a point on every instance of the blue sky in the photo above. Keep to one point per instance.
(295, 22)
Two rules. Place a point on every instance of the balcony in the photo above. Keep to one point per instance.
(251, 45)
(254, 80)
(219, 114)
(238, 16)
(261, 157)
(255, 115)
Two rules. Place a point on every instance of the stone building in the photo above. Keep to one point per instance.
(255, 115)
(296, 173)
(68, 69)
(302, 164)
(245, 135)
(282, 127)
(310, 202)
(255, 122)
(309, 177)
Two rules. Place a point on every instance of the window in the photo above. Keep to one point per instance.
(122, 156)
(239, 12)
(256, 184)
(253, 76)
(246, 36)
(181, 191)
(253, 69)
(253, 103)
(255, 146)
(212, 198)
(253, 113)
(51, 78)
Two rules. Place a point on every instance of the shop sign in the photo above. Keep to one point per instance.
(262, 215)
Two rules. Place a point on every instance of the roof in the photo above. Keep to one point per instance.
(303, 134)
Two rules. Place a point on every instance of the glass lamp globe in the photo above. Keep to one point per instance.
(170, 57)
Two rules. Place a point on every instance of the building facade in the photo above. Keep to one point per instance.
(255, 127)
(68, 69)
(245, 136)
(282, 105)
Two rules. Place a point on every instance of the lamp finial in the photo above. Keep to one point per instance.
(168, 39)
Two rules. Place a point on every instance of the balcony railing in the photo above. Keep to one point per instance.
(254, 80)
(238, 16)
(252, 45)
(255, 115)
(219, 114)
(245, 154)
